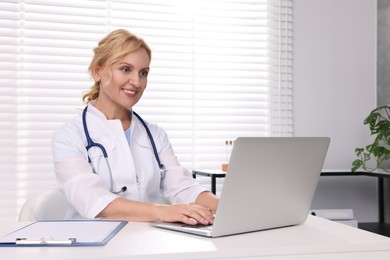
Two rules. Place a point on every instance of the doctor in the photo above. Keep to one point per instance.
(104, 158)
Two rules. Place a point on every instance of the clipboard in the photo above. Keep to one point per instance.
(64, 233)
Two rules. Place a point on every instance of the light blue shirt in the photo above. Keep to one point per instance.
(127, 134)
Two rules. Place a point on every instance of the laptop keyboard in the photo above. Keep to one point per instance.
(202, 227)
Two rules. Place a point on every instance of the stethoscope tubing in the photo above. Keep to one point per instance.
(160, 165)
(91, 143)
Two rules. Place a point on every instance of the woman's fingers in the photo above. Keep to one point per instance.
(190, 214)
(200, 214)
(189, 221)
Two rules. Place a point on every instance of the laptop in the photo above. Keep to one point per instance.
(270, 183)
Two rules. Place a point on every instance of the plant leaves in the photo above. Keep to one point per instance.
(356, 165)
(379, 123)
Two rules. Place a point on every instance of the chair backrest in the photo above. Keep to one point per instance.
(50, 204)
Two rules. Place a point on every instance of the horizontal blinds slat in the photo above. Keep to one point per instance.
(70, 3)
(58, 39)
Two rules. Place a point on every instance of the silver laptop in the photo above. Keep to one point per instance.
(270, 183)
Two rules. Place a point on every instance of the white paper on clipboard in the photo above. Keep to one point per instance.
(66, 232)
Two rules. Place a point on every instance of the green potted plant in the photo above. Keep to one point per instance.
(378, 153)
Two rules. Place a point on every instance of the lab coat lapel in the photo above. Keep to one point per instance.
(110, 134)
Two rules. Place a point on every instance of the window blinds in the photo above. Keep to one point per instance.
(220, 69)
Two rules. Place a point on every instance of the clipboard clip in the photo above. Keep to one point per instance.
(44, 241)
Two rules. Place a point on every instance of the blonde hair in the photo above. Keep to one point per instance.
(111, 49)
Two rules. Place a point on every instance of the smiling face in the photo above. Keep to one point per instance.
(123, 83)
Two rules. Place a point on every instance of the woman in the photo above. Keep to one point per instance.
(130, 184)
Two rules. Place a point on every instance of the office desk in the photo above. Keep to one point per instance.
(378, 175)
(316, 239)
(379, 227)
(213, 174)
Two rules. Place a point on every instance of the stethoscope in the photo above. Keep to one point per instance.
(91, 144)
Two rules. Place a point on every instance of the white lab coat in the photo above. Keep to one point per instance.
(134, 167)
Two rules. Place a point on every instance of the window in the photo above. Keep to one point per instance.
(220, 69)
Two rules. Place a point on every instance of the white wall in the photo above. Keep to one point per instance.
(335, 89)
(335, 73)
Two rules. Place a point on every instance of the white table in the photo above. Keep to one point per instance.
(316, 239)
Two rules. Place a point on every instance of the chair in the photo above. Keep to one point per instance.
(50, 204)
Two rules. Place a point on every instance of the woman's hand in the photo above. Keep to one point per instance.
(191, 214)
